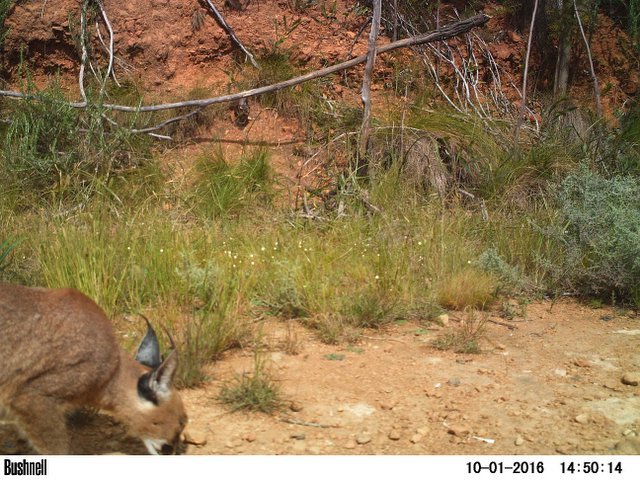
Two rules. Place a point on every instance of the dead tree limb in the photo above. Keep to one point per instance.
(523, 105)
(444, 33)
(83, 45)
(365, 129)
(232, 35)
(596, 86)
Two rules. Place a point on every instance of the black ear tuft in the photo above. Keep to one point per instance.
(149, 350)
(145, 389)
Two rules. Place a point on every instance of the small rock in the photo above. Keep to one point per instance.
(457, 431)
(194, 438)
(363, 439)
(561, 372)
(443, 319)
(501, 346)
(296, 407)
(454, 382)
(627, 432)
(422, 431)
(581, 362)
(387, 405)
(416, 438)
(631, 378)
(250, 437)
(611, 385)
(562, 450)
(582, 419)
(394, 435)
(298, 436)
(518, 441)
(351, 444)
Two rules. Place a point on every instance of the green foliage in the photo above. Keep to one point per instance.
(601, 234)
(254, 391)
(6, 247)
(224, 189)
(53, 151)
(5, 6)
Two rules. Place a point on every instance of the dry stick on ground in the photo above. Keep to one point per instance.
(444, 33)
(523, 105)
(227, 28)
(365, 130)
(596, 86)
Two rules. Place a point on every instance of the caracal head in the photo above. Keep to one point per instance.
(159, 416)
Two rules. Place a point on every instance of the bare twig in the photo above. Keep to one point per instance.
(596, 86)
(365, 129)
(83, 46)
(523, 105)
(227, 28)
(295, 421)
(503, 324)
(111, 45)
(443, 33)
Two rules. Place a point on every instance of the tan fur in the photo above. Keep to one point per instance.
(58, 350)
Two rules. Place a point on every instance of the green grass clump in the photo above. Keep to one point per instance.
(224, 189)
(255, 391)
(55, 153)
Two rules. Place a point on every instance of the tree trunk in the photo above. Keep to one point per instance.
(561, 77)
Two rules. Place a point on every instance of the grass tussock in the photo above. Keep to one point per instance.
(255, 391)
(466, 288)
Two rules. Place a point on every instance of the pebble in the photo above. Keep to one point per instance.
(194, 438)
(561, 372)
(457, 431)
(422, 431)
(394, 435)
(501, 346)
(581, 362)
(454, 382)
(351, 444)
(582, 419)
(296, 407)
(631, 378)
(298, 436)
(443, 319)
(363, 439)
(387, 405)
(518, 441)
(250, 437)
(416, 438)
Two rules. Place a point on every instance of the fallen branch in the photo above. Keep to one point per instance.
(444, 33)
(294, 421)
(503, 324)
(227, 28)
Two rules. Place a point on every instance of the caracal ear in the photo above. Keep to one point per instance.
(149, 350)
(162, 377)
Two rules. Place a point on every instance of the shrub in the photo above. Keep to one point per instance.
(601, 234)
(223, 189)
